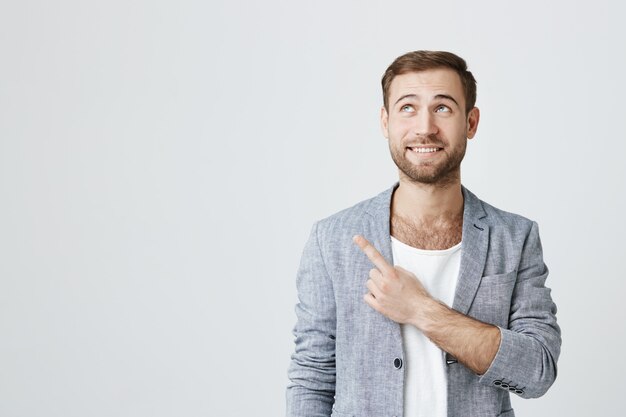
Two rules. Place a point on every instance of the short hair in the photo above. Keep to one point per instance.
(417, 61)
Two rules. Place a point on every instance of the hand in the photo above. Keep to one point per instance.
(399, 295)
(393, 291)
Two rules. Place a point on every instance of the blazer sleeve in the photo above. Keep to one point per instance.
(311, 371)
(526, 361)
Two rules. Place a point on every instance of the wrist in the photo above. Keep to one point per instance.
(428, 314)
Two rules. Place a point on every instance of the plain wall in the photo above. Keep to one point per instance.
(161, 165)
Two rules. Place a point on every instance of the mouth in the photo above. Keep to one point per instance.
(425, 149)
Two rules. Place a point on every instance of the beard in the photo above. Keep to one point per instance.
(441, 172)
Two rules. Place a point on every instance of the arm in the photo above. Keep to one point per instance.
(522, 357)
(530, 346)
(399, 295)
(312, 369)
(470, 341)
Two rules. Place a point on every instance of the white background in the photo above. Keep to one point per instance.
(162, 162)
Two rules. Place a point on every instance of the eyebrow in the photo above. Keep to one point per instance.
(438, 96)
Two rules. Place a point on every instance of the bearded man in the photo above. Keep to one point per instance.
(423, 300)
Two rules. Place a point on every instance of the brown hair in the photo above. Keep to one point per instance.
(424, 60)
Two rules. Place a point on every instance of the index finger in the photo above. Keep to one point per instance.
(377, 259)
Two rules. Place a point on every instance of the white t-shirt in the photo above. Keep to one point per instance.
(425, 384)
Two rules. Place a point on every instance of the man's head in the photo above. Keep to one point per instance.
(417, 61)
(428, 115)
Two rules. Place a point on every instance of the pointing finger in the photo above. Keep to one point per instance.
(373, 254)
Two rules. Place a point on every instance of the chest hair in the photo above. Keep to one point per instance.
(432, 234)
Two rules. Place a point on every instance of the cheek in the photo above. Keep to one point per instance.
(399, 127)
(452, 130)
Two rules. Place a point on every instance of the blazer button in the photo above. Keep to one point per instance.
(397, 363)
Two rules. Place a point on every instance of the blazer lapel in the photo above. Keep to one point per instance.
(474, 246)
(376, 230)
(380, 210)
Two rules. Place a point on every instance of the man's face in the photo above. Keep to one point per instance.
(426, 125)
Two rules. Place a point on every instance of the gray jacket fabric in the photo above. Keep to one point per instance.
(348, 358)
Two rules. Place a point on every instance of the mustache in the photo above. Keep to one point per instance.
(430, 140)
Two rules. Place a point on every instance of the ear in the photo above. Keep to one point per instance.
(384, 122)
(472, 122)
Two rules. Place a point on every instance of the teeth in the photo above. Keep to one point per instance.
(424, 150)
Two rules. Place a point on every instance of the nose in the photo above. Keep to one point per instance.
(425, 124)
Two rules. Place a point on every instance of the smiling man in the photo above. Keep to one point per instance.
(423, 300)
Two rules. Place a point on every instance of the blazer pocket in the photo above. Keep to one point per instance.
(499, 278)
(492, 303)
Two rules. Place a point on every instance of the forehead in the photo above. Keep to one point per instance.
(426, 84)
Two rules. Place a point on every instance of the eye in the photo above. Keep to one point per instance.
(407, 108)
(442, 109)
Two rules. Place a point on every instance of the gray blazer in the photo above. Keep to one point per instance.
(348, 358)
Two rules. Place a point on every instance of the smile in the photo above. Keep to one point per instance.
(425, 150)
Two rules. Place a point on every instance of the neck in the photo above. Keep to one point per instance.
(427, 202)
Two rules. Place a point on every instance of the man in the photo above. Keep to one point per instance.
(424, 300)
